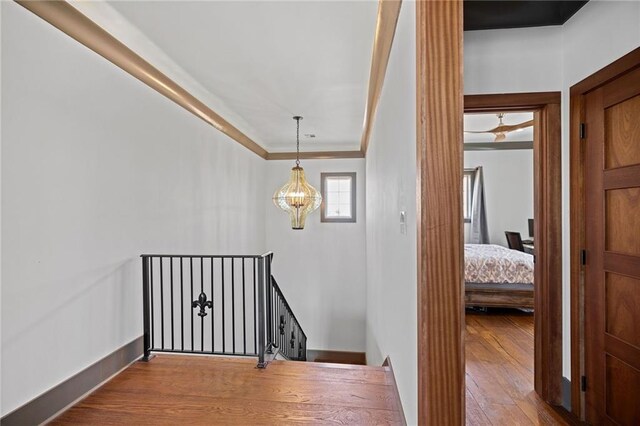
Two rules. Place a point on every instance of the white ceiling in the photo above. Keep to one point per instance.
(267, 61)
(487, 121)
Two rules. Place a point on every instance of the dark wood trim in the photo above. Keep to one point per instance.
(337, 357)
(577, 243)
(387, 364)
(547, 167)
(624, 65)
(495, 146)
(439, 115)
(510, 101)
(548, 215)
(388, 13)
(50, 403)
(319, 155)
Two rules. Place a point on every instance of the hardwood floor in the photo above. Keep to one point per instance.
(499, 371)
(211, 390)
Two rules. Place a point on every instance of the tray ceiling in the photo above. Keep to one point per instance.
(267, 61)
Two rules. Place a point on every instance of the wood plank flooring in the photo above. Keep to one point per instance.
(499, 371)
(212, 390)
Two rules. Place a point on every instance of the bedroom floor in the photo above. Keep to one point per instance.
(499, 371)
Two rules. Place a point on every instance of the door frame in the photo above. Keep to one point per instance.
(548, 228)
(625, 64)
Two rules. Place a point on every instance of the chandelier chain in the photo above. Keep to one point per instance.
(297, 141)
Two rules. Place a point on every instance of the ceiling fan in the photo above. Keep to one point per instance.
(502, 129)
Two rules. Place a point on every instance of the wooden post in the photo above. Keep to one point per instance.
(441, 387)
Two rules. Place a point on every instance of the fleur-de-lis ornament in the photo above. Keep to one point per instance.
(203, 303)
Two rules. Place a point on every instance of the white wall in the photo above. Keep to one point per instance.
(508, 186)
(391, 188)
(321, 269)
(553, 59)
(97, 169)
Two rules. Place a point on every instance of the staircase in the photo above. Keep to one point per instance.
(196, 306)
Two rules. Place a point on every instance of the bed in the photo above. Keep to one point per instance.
(496, 276)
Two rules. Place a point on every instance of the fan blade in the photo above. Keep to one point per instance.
(506, 128)
(500, 137)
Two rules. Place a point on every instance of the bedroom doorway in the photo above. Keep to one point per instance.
(511, 204)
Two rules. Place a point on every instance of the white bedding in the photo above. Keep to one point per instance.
(488, 263)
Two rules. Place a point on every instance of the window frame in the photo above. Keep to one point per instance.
(470, 173)
(323, 191)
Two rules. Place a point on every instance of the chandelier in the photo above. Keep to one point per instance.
(297, 197)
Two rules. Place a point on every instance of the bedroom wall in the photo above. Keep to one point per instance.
(391, 188)
(96, 169)
(322, 269)
(553, 59)
(508, 185)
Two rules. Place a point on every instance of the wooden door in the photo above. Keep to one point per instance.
(612, 237)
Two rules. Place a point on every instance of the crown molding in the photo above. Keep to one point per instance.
(63, 16)
(388, 13)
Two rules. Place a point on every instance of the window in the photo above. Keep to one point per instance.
(467, 193)
(338, 197)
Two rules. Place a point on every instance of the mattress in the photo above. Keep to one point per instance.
(493, 264)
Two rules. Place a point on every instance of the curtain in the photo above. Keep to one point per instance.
(479, 233)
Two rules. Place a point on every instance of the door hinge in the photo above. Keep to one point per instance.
(583, 257)
(583, 383)
(583, 131)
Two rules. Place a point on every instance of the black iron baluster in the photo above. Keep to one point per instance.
(213, 348)
(233, 306)
(202, 316)
(284, 327)
(269, 287)
(255, 311)
(145, 306)
(261, 318)
(224, 302)
(244, 313)
(161, 306)
(191, 271)
(284, 319)
(171, 282)
(293, 338)
(282, 323)
(274, 301)
(153, 324)
(181, 305)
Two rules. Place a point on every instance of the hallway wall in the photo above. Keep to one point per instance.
(97, 168)
(391, 189)
(321, 269)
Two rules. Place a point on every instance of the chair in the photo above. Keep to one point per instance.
(514, 240)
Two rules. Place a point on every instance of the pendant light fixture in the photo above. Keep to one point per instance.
(297, 197)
